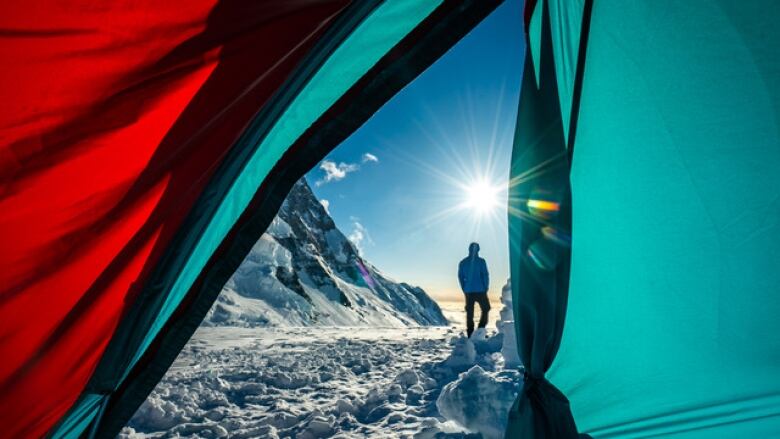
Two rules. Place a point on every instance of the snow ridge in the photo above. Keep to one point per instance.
(304, 272)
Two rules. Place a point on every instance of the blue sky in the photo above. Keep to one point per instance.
(400, 185)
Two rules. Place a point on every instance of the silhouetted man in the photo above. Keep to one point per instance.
(474, 281)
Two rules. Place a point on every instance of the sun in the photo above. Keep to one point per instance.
(481, 197)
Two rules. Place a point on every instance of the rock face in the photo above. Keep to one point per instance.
(303, 271)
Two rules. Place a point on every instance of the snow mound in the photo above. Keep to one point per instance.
(463, 354)
(506, 327)
(479, 401)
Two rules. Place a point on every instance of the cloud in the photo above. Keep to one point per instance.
(326, 205)
(335, 172)
(359, 236)
(338, 171)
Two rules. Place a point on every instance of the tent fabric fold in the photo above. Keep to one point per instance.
(539, 234)
(123, 124)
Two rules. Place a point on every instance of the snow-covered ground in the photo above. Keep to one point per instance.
(333, 382)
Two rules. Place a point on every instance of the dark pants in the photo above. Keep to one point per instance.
(484, 307)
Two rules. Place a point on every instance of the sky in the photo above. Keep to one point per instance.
(427, 174)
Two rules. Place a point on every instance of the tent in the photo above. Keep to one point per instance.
(146, 145)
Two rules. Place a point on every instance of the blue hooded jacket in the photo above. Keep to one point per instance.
(473, 272)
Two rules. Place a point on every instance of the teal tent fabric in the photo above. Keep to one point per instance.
(671, 325)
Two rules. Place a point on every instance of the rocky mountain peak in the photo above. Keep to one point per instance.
(304, 271)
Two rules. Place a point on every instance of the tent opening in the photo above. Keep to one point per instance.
(346, 316)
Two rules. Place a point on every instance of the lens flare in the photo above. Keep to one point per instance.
(557, 236)
(543, 254)
(365, 274)
(543, 208)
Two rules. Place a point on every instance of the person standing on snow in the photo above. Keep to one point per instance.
(474, 281)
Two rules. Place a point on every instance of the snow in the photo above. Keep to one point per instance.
(343, 382)
(279, 228)
(335, 240)
(295, 382)
(463, 354)
(506, 327)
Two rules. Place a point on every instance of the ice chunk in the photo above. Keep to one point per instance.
(479, 401)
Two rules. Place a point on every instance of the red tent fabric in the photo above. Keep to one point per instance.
(107, 137)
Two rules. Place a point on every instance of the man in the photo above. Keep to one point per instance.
(474, 281)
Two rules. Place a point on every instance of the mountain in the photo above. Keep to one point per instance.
(303, 271)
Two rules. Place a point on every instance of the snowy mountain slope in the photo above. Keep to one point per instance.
(303, 271)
